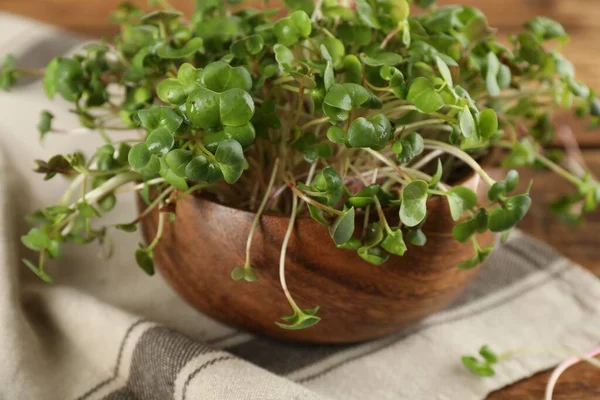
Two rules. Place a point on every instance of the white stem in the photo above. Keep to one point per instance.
(260, 210)
(456, 152)
(317, 14)
(98, 193)
(425, 160)
(284, 245)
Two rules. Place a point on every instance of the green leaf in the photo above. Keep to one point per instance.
(353, 69)
(336, 134)
(139, 156)
(203, 108)
(416, 238)
(69, 74)
(330, 182)
(171, 177)
(291, 29)
(467, 123)
(144, 260)
(160, 117)
(45, 124)
(413, 207)
(367, 14)
(194, 45)
(219, 77)
(8, 73)
(250, 45)
(188, 75)
(435, 178)
(160, 141)
(373, 255)
(230, 157)
(503, 187)
(374, 132)
(408, 147)
(247, 274)
(460, 199)
(478, 224)
(87, 210)
(202, 170)
(284, 57)
(488, 123)
(488, 354)
(374, 234)
(317, 214)
(444, 71)
(342, 229)
(50, 78)
(177, 160)
(127, 227)
(172, 91)
(36, 270)
(346, 96)
(491, 79)
(334, 49)
(236, 107)
(244, 134)
(546, 29)
(522, 154)
(36, 240)
(507, 216)
(364, 197)
(301, 319)
(394, 243)
(477, 367)
(380, 58)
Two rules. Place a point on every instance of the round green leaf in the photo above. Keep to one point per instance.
(413, 207)
(394, 243)
(160, 141)
(219, 77)
(203, 107)
(236, 107)
(507, 216)
(488, 123)
(342, 229)
(195, 45)
(171, 91)
(160, 117)
(374, 132)
(460, 199)
(230, 157)
(145, 261)
(346, 96)
(177, 160)
(139, 156)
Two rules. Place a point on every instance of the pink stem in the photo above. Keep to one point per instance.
(563, 367)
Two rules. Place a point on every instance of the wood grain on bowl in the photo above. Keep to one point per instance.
(358, 301)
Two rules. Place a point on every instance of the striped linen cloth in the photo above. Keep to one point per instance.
(106, 331)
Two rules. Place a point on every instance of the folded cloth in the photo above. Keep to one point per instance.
(106, 331)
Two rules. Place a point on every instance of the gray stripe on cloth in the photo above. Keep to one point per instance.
(200, 369)
(122, 394)
(506, 267)
(117, 363)
(157, 358)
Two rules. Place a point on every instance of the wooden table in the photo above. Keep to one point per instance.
(580, 18)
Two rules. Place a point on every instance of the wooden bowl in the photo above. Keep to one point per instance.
(358, 300)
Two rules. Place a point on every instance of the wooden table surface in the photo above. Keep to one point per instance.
(582, 244)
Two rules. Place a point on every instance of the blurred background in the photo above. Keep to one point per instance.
(579, 17)
(90, 18)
